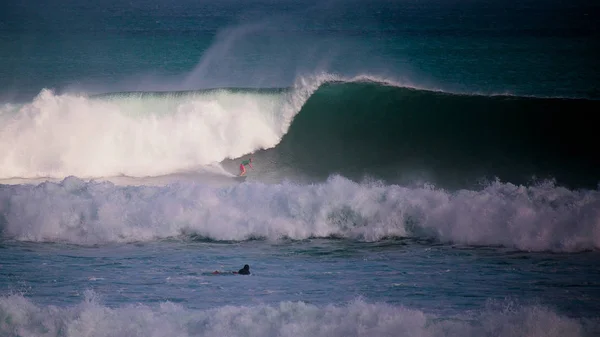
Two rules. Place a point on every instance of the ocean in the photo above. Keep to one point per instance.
(419, 168)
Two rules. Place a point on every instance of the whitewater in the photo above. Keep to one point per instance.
(133, 135)
(357, 318)
(537, 218)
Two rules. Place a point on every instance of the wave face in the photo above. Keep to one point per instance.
(540, 218)
(392, 132)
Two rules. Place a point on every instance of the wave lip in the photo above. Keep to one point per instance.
(538, 218)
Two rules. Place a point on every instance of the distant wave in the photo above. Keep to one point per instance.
(537, 218)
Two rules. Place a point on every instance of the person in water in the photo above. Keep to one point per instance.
(245, 270)
(243, 166)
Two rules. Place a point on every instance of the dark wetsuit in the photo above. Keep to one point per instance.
(245, 270)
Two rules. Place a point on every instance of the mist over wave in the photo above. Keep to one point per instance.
(357, 318)
(536, 218)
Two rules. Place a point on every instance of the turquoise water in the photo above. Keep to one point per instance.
(530, 48)
(420, 168)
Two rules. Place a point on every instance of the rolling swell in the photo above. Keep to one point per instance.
(394, 133)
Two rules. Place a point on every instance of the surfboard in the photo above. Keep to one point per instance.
(240, 178)
(220, 273)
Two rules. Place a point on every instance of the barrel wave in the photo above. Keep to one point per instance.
(324, 125)
(402, 134)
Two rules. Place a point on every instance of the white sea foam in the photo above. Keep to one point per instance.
(536, 218)
(61, 135)
(21, 317)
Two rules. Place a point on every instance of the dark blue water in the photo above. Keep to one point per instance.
(421, 168)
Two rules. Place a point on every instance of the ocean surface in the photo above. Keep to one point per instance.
(420, 168)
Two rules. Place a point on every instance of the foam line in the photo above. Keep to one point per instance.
(536, 218)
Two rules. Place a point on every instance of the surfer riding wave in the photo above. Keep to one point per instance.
(243, 166)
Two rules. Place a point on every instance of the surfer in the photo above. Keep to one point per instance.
(243, 166)
(245, 270)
